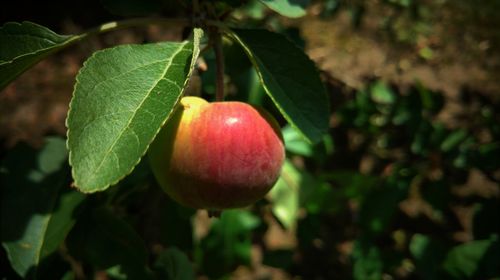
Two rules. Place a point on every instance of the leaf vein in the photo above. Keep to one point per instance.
(110, 149)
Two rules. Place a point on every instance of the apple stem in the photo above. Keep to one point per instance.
(214, 213)
(219, 60)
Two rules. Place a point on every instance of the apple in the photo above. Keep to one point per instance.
(217, 155)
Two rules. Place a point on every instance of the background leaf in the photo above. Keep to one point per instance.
(105, 241)
(295, 143)
(285, 196)
(173, 264)
(368, 263)
(28, 43)
(228, 243)
(428, 253)
(289, 8)
(36, 213)
(122, 97)
(290, 78)
(474, 260)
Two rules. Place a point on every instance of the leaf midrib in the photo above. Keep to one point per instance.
(127, 126)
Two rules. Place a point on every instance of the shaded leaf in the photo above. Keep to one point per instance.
(381, 204)
(105, 241)
(173, 264)
(288, 8)
(484, 214)
(36, 213)
(290, 78)
(453, 140)
(122, 97)
(474, 260)
(25, 44)
(368, 263)
(428, 254)
(354, 185)
(228, 243)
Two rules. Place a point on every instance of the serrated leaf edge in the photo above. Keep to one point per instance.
(197, 34)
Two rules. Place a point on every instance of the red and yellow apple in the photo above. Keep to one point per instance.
(217, 155)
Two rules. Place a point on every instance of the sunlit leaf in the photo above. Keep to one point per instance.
(285, 196)
(288, 8)
(122, 97)
(295, 143)
(381, 93)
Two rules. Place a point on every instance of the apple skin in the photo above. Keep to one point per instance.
(217, 155)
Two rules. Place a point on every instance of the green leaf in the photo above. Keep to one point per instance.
(285, 196)
(290, 78)
(228, 243)
(368, 263)
(295, 143)
(25, 44)
(122, 97)
(379, 207)
(474, 260)
(353, 184)
(173, 264)
(428, 254)
(36, 213)
(453, 140)
(107, 242)
(288, 8)
(382, 94)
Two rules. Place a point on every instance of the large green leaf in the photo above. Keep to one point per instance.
(122, 97)
(289, 8)
(36, 213)
(290, 78)
(23, 45)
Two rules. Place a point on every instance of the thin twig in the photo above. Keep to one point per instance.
(219, 65)
(116, 25)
